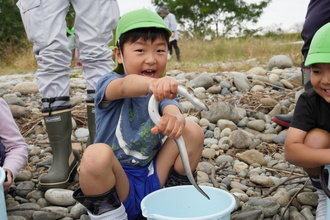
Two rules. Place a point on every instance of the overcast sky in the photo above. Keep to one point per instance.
(283, 13)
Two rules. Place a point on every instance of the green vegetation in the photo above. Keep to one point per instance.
(197, 54)
(226, 17)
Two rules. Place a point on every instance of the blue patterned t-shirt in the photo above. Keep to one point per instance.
(125, 125)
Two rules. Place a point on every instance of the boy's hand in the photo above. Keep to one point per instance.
(170, 125)
(164, 88)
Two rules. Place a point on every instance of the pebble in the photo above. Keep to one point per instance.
(243, 149)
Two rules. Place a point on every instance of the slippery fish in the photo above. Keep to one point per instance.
(155, 117)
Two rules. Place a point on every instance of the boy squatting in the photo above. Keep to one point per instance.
(129, 159)
(308, 141)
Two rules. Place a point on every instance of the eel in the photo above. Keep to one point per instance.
(155, 117)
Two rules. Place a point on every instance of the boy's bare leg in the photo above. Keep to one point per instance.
(100, 171)
(169, 156)
(317, 138)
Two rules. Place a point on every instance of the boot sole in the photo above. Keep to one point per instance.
(62, 184)
(280, 122)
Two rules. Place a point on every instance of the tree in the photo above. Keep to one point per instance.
(11, 26)
(221, 17)
(12, 33)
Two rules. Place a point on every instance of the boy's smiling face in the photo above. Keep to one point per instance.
(144, 58)
(320, 79)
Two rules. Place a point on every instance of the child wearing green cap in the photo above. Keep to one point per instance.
(132, 157)
(308, 139)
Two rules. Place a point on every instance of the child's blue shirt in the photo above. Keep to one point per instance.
(124, 124)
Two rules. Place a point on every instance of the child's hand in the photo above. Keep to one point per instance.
(164, 88)
(170, 125)
(7, 183)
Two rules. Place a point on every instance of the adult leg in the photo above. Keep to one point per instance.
(94, 23)
(169, 157)
(77, 60)
(59, 128)
(50, 45)
(177, 49)
(104, 184)
(170, 48)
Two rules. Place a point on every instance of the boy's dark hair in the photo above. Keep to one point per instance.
(145, 34)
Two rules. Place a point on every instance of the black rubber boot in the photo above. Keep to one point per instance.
(59, 129)
(90, 117)
(283, 120)
(98, 204)
(91, 123)
(177, 179)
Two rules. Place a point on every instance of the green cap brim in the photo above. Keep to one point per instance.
(317, 58)
(319, 50)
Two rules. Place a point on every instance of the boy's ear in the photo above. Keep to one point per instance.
(116, 52)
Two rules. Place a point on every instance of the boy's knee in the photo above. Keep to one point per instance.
(320, 131)
(194, 136)
(318, 138)
(194, 130)
(96, 157)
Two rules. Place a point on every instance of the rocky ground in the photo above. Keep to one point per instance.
(243, 147)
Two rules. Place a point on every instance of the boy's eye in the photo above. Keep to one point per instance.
(139, 50)
(316, 71)
(161, 51)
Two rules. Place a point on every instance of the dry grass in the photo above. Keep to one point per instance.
(18, 62)
(197, 53)
(221, 54)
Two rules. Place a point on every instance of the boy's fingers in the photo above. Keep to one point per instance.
(154, 130)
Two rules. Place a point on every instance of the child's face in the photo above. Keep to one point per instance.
(145, 58)
(320, 79)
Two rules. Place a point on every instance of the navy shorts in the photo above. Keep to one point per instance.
(142, 181)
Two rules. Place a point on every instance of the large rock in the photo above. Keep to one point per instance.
(60, 197)
(279, 61)
(19, 111)
(241, 82)
(240, 139)
(221, 110)
(252, 156)
(267, 206)
(26, 88)
(203, 80)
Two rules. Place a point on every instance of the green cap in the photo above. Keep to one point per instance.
(141, 18)
(319, 50)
